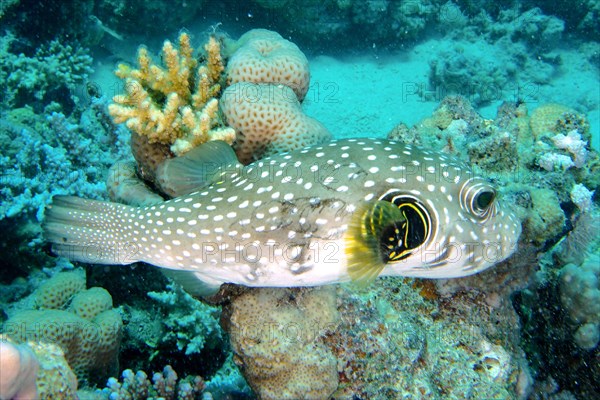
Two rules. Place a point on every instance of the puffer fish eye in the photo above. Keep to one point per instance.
(484, 198)
(477, 197)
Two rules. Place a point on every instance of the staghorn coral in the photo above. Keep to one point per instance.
(174, 105)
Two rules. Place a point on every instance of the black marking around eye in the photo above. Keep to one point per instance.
(400, 239)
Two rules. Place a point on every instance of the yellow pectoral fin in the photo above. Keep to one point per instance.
(364, 240)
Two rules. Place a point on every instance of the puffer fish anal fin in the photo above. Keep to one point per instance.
(197, 168)
(193, 283)
(365, 246)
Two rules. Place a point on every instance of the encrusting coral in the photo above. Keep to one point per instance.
(176, 105)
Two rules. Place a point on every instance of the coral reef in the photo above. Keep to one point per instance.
(404, 339)
(172, 110)
(447, 339)
(268, 77)
(56, 379)
(572, 143)
(559, 313)
(399, 338)
(44, 155)
(81, 322)
(502, 149)
(559, 210)
(228, 381)
(540, 32)
(460, 68)
(59, 290)
(35, 151)
(52, 73)
(164, 325)
(582, 197)
(546, 219)
(189, 324)
(169, 110)
(580, 296)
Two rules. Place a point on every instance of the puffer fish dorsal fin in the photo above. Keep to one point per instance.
(197, 168)
(366, 249)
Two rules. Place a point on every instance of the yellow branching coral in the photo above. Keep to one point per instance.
(176, 104)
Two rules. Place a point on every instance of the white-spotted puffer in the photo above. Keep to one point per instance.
(351, 209)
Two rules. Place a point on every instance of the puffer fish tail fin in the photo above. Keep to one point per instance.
(198, 168)
(90, 231)
(366, 248)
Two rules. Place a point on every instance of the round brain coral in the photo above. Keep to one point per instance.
(89, 303)
(58, 290)
(268, 119)
(264, 56)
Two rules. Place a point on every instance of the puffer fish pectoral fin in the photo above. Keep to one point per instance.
(197, 168)
(90, 231)
(195, 284)
(365, 245)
